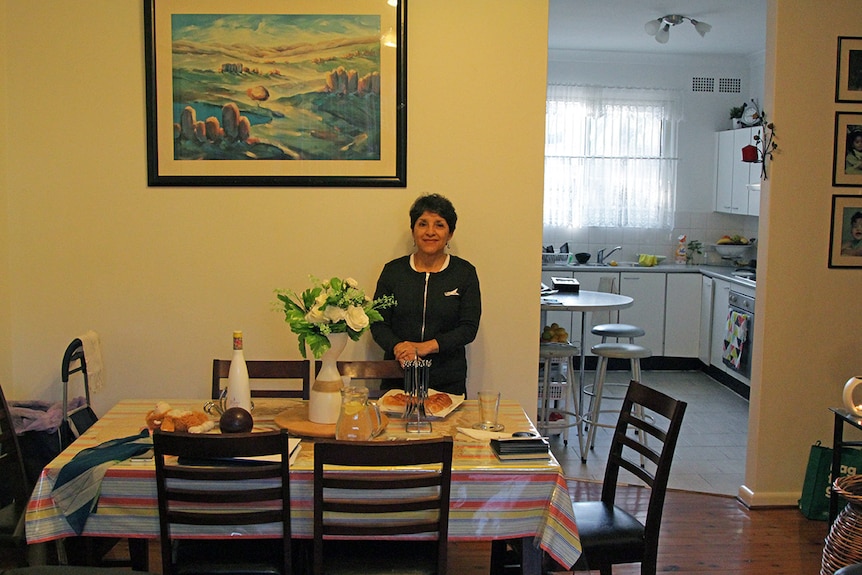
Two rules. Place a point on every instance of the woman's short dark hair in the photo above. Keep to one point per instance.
(436, 204)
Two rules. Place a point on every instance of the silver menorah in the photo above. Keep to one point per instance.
(416, 387)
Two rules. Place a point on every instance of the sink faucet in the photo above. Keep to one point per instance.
(601, 255)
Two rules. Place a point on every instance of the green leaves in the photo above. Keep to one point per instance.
(333, 306)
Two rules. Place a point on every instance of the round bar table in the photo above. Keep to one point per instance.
(583, 301)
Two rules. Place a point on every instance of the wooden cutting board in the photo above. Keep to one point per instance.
(295, 420)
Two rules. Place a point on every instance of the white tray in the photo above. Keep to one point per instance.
(457, 400)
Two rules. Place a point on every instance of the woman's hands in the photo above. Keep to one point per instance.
(408, 350)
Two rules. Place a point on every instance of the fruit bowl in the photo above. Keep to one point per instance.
(731, 250)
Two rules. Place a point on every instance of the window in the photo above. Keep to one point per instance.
(610, 157)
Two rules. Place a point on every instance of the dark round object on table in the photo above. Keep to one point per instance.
(236, 420)
(582, 257)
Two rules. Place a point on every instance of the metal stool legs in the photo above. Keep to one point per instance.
(562, 354)
(605, 351)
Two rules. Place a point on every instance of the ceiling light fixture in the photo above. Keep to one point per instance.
(660, 27)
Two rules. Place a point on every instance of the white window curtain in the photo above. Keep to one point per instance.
(610, 157)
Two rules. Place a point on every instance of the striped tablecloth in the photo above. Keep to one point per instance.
(490, 500)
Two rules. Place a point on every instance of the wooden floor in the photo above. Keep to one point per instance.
(701, 534)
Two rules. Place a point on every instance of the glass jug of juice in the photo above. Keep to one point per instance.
(359, 419)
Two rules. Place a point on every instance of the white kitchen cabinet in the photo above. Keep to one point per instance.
(706, 297)
(682, 315)
(733, 176)
(719, 321)
(648, 311)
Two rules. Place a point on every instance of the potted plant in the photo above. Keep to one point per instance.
(693, 247)
(736, 114)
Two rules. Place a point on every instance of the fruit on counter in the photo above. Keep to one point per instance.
(613, 263)
(554, 333)
(734, 240)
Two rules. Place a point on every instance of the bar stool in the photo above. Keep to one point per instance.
(618, 331)
(605, 351)
(556, 355)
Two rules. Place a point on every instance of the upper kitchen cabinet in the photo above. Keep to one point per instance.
(736, 180)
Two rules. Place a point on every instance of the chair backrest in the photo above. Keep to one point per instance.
(14, 487)
(656, 441)
(282, 369)
(369, 370)
(200, 487)
(368, 493)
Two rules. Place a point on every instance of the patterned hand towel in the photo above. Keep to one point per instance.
(734, 341)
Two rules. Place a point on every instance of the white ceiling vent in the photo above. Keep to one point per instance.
(730, 85)
(702, 84)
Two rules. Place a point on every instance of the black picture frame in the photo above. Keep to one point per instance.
(302, 93)
(845, 245)
(848, 71)
(847, 161)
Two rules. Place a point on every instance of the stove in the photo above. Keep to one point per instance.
(748, 273)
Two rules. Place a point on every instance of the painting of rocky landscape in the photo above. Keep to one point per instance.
(276, 86)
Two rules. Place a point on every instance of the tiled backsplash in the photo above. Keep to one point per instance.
(706, 227)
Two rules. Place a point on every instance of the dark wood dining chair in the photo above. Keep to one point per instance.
(369, 371)
(286, 369)
(206, 484)
(348, 503)
(14, 487)
(609, 534)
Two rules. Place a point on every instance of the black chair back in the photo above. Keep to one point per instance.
(213, 480)
(266, 369)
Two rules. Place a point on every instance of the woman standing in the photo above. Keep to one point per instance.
(439, 304)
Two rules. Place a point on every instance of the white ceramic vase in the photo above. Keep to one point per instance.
(324, 403)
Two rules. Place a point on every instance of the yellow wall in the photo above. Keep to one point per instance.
(807, 315)
(165, 274)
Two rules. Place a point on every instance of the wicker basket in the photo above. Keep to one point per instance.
(844, 543)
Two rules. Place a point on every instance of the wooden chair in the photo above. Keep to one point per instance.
(416, 503)
(370, 370)
(201, 487)
(14, 487)
(266, 369)
(609, 534)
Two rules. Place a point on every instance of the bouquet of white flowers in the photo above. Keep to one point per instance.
(334, 306)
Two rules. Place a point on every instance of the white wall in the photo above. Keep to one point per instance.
(165, 274)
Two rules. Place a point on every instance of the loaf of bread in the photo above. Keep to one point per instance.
(434, 404)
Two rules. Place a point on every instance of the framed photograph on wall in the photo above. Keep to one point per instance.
(274, 93)
(848, 74)
(845, 243)
(847, 155)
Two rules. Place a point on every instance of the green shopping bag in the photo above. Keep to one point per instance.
(814, 503)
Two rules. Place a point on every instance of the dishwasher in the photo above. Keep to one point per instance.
(743, 305)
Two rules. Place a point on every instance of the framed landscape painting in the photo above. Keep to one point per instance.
(274, 93)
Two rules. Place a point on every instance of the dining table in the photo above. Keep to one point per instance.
(491, 500)
(584, 301)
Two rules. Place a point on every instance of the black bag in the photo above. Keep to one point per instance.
(79, 420)
(817, 488)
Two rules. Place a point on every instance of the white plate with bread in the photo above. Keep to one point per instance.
(438, 405)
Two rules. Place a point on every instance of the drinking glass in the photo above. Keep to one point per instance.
(489, 410)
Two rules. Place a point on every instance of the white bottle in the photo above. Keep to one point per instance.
(238, 391)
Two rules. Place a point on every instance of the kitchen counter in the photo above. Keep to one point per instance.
(721, 272)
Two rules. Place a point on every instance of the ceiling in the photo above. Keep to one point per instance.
(738, 26)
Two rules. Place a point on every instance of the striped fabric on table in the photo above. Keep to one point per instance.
(489, 499)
